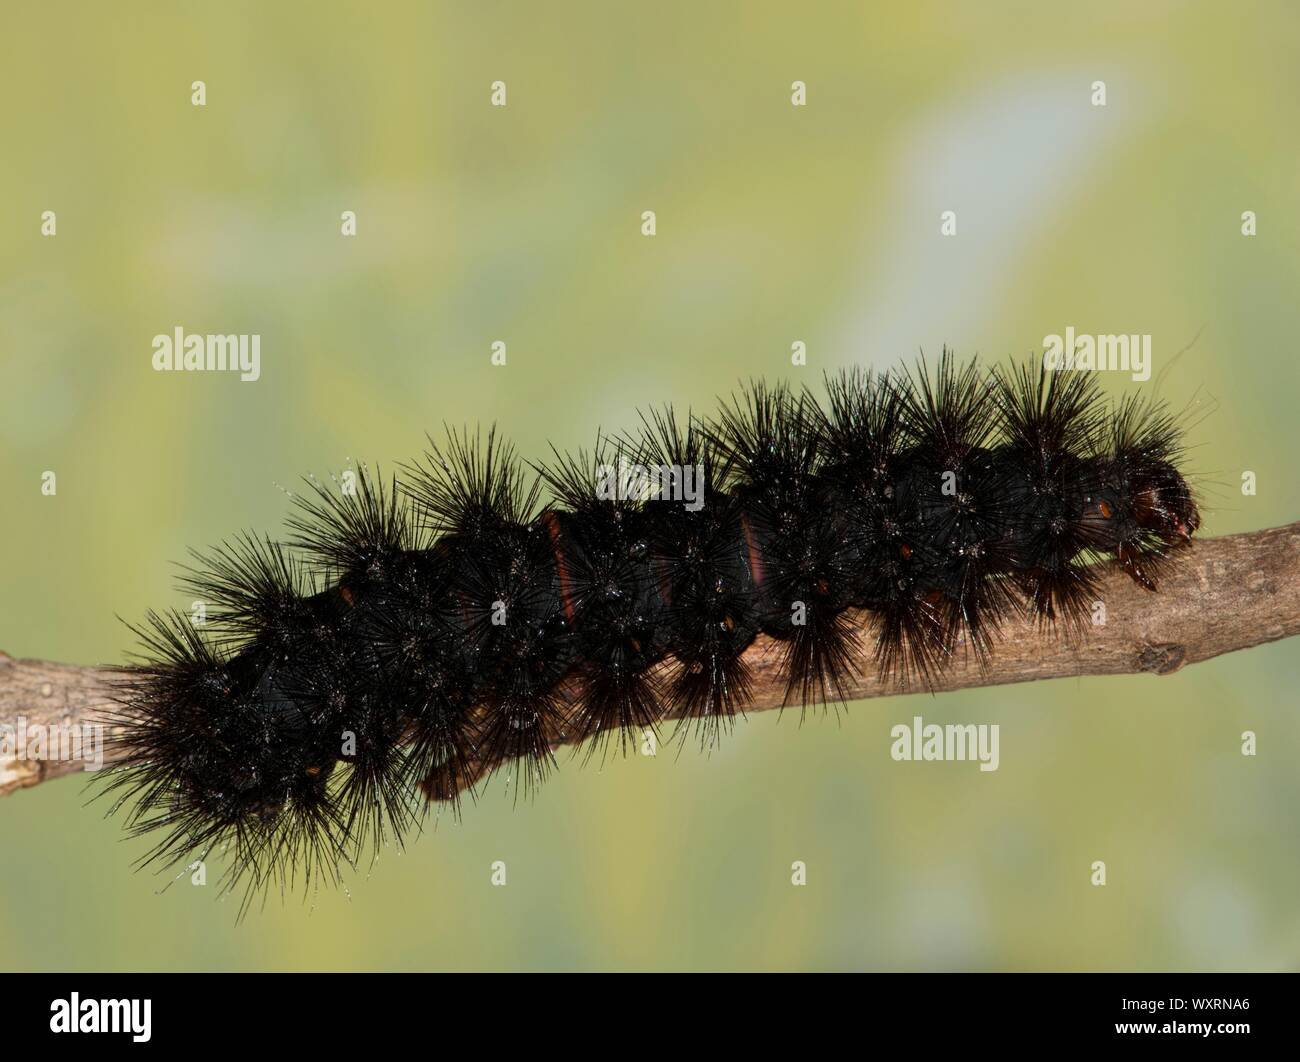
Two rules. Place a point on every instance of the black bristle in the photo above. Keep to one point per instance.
(771, 438)
(1051, 423)
(603, 560)
(702, 579)
(358, 532)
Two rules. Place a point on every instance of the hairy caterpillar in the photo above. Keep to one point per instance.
(418, 625)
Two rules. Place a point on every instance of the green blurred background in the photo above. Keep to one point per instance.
(775, 224)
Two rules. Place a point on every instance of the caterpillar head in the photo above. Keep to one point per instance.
(1161, 502)
(1143, 510)
(1141, 506)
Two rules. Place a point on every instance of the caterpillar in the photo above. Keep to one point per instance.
(472, 607)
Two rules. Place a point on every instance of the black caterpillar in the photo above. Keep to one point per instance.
(410, 631)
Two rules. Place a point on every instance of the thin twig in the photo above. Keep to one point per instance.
(1221, 595)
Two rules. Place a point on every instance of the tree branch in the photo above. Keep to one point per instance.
(1221, 595)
